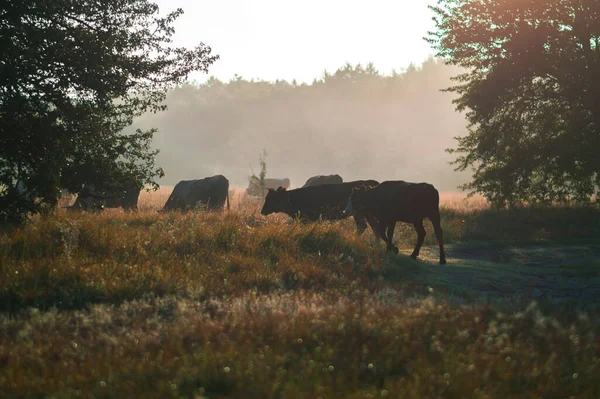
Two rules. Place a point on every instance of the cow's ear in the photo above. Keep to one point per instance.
(271, 190)
(281, 189)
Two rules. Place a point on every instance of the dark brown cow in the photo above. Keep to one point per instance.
(399, 201)
(210, 193)
(125, 196)
(311, 203)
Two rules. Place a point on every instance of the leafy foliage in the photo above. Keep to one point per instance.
(530, 92)
(73, 76)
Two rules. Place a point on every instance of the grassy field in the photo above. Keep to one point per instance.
(236, 305)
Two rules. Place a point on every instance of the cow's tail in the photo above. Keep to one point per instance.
(227, 200)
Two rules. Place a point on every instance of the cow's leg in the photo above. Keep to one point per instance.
(374, 225)
(439, 234)
(361, 223)
(390, 235)
(381, 228)
(420, 237)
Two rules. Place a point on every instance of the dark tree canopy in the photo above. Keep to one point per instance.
(73, 75)
(531, 94)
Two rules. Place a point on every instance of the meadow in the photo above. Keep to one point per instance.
(237, 305)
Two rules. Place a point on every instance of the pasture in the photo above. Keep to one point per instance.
(238, 305)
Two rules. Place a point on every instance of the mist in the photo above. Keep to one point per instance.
(355, 122)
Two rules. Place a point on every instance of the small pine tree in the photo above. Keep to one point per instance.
(263, 171)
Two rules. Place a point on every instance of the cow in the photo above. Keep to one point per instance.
(94, 200)
(254, 185)
(211, 192)
(311, 203)
(399, 201)
(320, 180)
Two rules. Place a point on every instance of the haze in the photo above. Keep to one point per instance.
(279, 39)
(359, 123)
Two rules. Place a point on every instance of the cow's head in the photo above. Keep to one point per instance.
(356, 202)
(275, 201)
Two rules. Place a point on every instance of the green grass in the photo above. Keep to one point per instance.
(228, 306)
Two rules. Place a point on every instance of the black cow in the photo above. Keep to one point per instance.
(311, 203)
(322, 179)
(211, 192)
(394, 201)
(95, 200)
(254, 185)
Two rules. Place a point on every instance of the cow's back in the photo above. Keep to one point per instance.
(321, 180)
(327, 201)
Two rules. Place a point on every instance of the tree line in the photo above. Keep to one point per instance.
(356, 122)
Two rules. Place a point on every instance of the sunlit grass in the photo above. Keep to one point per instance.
(238, 305)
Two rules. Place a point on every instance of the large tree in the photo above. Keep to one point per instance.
(73, 75)
(532, 95)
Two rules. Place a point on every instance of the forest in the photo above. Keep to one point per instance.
(356, 122)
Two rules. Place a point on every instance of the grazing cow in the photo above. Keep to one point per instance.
(394, 201)
(125, 197)
(254, 185)
(211, 192)
(321, 179)
(311, 203)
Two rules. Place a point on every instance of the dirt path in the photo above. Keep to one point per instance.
(529, 272)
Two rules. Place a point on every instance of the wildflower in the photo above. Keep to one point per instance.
(384, 392)
(227, 369)
(370, 366)
(575, 375)
(331, 368)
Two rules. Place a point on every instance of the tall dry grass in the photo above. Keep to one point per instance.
(234, 304)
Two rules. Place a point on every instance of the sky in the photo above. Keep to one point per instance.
(282, 39)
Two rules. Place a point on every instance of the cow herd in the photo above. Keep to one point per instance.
(380, 205)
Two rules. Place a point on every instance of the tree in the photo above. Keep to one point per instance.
(73, 75)
(531, 90)
(258, 182)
